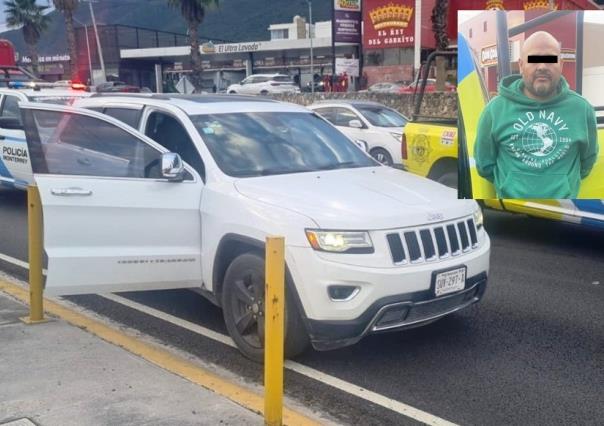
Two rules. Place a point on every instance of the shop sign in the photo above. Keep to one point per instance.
(388, 23)
(347, 16)
(488, 56)
(349, 66)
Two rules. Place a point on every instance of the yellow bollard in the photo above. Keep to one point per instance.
(34, 220)
(274, 296)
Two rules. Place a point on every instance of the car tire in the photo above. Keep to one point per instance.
(264, 92)
(381, 155)
(232, 92)
(243, 310)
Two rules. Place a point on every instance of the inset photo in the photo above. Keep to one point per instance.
(531, 104)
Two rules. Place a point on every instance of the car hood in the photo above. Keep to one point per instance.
(361, 198)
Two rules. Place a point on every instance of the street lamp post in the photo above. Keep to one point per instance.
(98, 41)
(312, 68)
(88, 50)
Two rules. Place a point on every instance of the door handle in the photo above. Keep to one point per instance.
(70, 192)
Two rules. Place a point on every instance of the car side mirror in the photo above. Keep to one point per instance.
(356, 124)
(11, 123)
(172, 167)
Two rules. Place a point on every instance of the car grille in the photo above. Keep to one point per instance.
(431, 243)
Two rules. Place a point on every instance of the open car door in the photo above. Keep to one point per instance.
(111, 221)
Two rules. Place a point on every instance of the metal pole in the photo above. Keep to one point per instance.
(312, 68)
(274, 296)
(88, 50)
(579, 54)
(417, 42)
(34, 221)
(98, 41)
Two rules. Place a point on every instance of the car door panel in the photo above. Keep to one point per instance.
(113, 233)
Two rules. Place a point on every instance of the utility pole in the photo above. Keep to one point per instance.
(312, 68)
(87, 49)
(98, 42)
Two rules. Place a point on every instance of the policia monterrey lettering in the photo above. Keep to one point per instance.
(538, 138)
(15, 155)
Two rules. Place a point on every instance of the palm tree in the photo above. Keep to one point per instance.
(193, 12)
(33, 22)
(68, 7)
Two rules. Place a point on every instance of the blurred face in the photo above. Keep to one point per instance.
(540, 76)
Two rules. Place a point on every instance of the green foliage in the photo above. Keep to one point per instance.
(27, 15)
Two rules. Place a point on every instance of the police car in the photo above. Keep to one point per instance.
(15, 168)
(181, 192)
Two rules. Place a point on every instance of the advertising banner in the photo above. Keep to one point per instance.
(347, 18)
(349, 66)
(388, 23)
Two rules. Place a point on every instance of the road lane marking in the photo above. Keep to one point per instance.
(347, 387)
(160, 357)
(344, 386)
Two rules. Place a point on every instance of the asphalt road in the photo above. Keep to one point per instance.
(532, 352)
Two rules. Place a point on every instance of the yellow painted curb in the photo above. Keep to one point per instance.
(160, 357)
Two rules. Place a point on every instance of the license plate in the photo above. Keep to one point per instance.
(450, 281)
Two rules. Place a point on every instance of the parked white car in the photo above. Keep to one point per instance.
(264, 84)
(377, 125)
(15, 169)
(368, 248)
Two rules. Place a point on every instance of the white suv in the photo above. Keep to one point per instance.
(264, 84)
(380, 127)
(368, 248)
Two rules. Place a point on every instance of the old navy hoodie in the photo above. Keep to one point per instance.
(534, 149)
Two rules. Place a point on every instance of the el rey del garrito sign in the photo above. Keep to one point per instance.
(388, 23)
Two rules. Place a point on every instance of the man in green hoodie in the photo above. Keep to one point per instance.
(538, 138)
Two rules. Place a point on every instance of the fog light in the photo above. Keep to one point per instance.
(342, 293)
(392, 316)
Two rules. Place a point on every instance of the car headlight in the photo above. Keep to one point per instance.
(397, 136)
(340, 241)
(478, 218)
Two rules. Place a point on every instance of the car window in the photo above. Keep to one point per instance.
(327, 113)
(247, 80)
(268, 143)
(10, 107)
(169, 132)
(382, 116)
(261, 79)
(74, 144)
(130, 116)
(343, 117)
(282, 79)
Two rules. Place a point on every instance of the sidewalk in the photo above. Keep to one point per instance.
(57, 374)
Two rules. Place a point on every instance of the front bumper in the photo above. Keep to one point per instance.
(395, 313)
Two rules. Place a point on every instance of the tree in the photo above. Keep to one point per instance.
(193, 12)
(33, 22)
(68, 7)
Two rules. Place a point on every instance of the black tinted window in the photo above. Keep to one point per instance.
(129, 116)
(10, 107)
(74, 144)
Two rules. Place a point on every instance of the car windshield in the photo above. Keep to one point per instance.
(269, 143)
(382, 116)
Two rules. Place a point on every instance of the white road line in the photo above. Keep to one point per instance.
(375, 398)
(360, 392)
(14, 261)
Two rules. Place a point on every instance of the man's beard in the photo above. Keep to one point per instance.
(542, 90)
